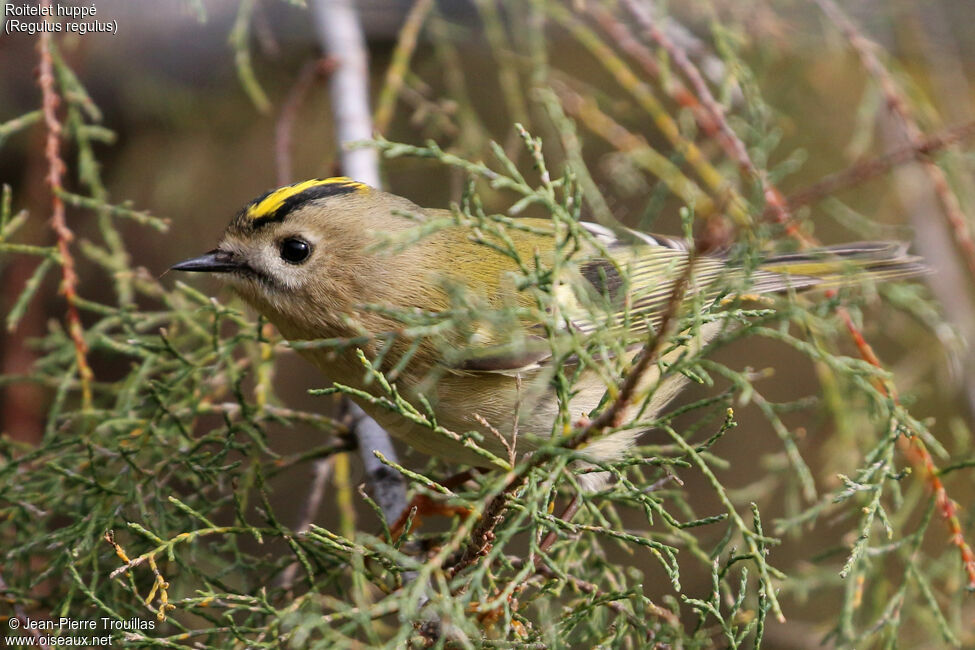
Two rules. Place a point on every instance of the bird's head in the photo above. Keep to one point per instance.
(304, 254)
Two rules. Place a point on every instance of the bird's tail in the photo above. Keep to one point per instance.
(839, 265)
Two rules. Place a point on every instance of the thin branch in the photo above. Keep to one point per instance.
(340, 35)
(567, 514)
(615, 414)
(866, 169)
(312, 70)
(912, 446)
(866, 50)
(729, 140)
(483, 534)
(56, 168)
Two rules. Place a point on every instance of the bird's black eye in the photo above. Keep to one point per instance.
(294, 250)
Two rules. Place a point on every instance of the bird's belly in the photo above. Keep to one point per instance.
(502, 397)
(520, 411)
(507, 405)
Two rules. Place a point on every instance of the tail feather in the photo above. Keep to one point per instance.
(839, 265)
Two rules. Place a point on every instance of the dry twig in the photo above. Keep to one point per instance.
(728, 139)
(56, 167)
(912, 446)
(320, 67)
(866, 51)
(866, 169)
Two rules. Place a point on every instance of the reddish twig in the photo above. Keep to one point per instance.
(863, 347)
(59, 223)
(677, 91)
(482, 537)
(912, 446)
(567, 514)
(866, 51)
(866, 169)
(321, 67)
(733, 146)
(917, 453)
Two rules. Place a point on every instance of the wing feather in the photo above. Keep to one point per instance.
(627, 290)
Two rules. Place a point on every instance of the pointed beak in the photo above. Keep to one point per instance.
(215, 261)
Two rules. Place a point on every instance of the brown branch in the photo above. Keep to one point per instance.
(319, 68)
(866, 51)
(917, 453)
(864, 170)
(567, 514)
(59, 224)
(725, 136)
(912, 446)
(614, 415)
(482, 537)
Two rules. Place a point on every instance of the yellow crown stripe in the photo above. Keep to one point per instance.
(268, 205)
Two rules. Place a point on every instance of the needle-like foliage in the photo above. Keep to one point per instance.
(149, 500)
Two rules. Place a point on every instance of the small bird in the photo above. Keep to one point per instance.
(336, 259)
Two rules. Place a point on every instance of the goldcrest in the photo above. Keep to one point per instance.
(320, 260)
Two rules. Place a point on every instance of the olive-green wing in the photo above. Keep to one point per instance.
(626, 283)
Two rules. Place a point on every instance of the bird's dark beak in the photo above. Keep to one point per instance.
(215, 261)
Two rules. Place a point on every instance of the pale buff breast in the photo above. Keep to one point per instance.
(500, 399)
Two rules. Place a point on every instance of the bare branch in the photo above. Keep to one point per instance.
(340, 35)
(55, 165)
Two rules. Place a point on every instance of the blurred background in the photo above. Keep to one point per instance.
(212, 103)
